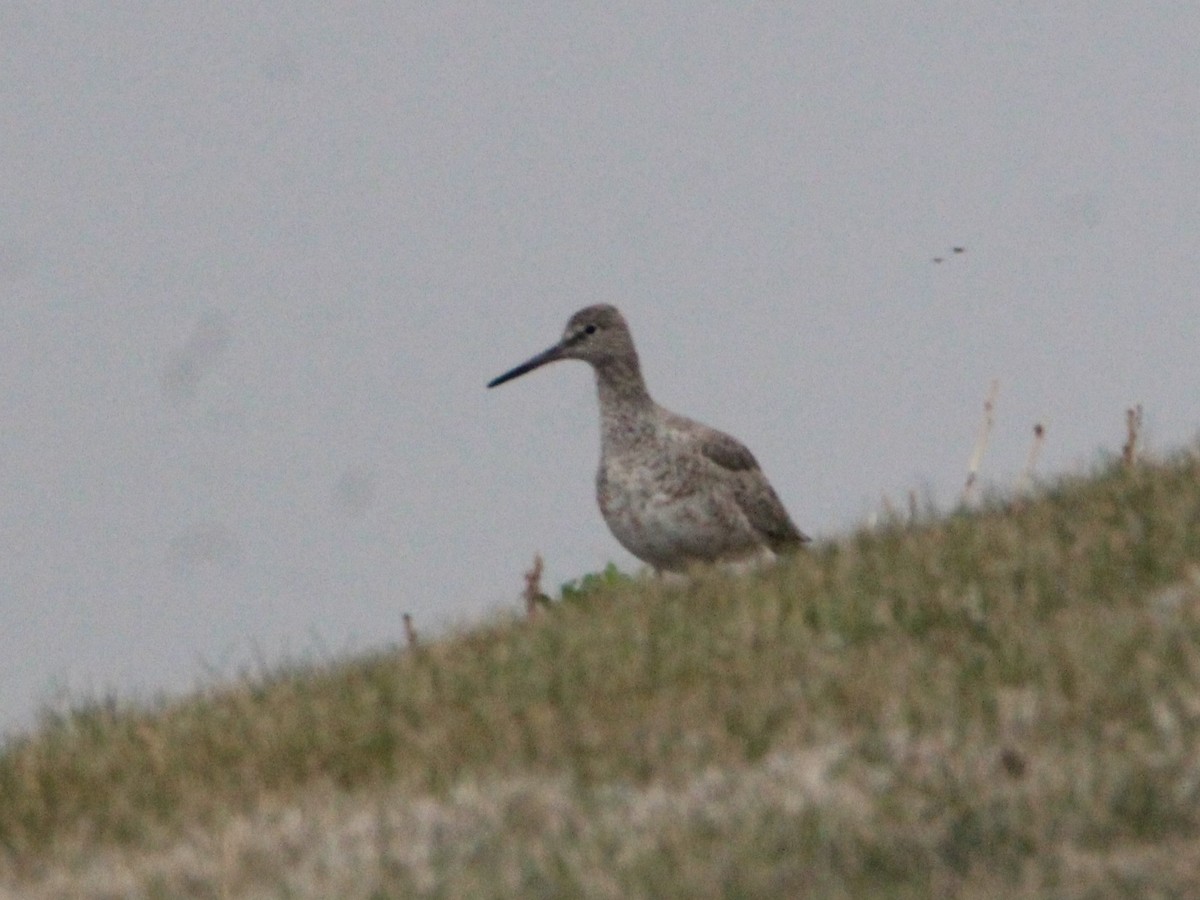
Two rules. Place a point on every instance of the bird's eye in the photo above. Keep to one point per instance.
(591, 329)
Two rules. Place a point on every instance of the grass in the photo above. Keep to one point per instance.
(996, 702)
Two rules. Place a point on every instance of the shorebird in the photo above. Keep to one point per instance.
(674, 492)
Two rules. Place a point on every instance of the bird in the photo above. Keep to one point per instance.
(674, 492)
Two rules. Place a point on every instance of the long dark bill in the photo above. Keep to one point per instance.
(546, 356)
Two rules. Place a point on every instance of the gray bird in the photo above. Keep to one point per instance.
(674, 492)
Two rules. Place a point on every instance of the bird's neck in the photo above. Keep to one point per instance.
(626, 410)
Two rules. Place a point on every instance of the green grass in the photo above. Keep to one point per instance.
(994, 702)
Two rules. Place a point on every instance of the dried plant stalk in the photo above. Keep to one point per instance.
(534, 598)
(1035, 451)
(1133, 431)
(985, 432)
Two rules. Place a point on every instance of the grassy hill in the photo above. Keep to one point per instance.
(1000, 702)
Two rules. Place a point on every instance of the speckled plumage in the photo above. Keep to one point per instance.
(674, 492)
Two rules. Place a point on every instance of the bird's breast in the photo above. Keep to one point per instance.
(662, 515)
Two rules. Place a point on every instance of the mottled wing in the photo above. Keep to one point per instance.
(727, 452)
(765, 511)
(753, 492)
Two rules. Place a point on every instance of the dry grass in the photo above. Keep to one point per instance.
(981, 442)
(1001, 702)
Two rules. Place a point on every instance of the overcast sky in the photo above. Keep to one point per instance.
(259, 260)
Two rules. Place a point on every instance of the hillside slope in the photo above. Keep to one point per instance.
(999, 702)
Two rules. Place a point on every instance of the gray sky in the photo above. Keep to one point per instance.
(258, 265)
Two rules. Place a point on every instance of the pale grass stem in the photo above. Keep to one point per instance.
(985, 431)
